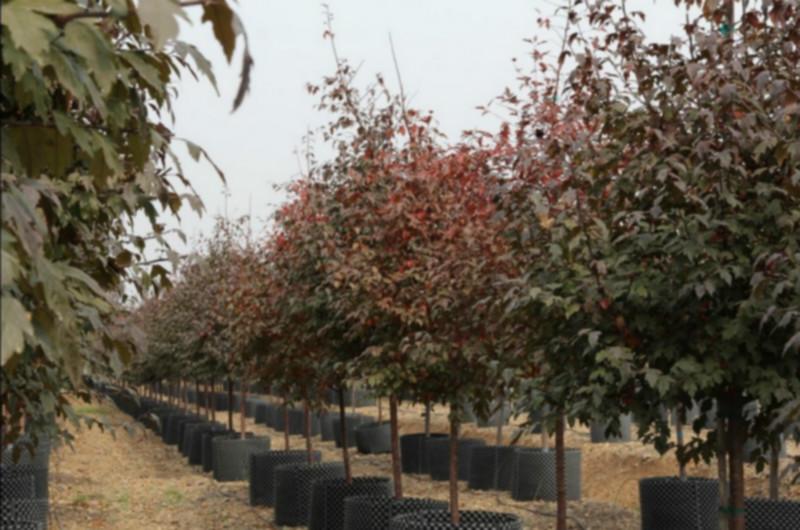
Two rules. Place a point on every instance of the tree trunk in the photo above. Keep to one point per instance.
(353, 399)
(243, 408)
(307, 430)
(774, 470)
(455, 516)
(286, 423)
(722, 472)
(561, 486)
(230, 404)
(380, 410)
(197, 397)
(737, 435)
(545, 436)
(499, 432)
(679, 412)
(212, 400)
(343, 431)
(427, 419)
(397, 472)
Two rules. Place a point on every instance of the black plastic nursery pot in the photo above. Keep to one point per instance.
(186, 436)
(470, 520)
(277, 418)
(669, 502)
(207, 457)
(766, 514)
(491, 467)
(534, 474)
(293, 490)
(374, 438)
(232, 456)
(262, 472)
(598, 431)
(414, 452)
(328, 496)
(297, 422)
(260, 411)
(182, 425)
(221, 401)
(194, 439)
(375, 512)
(25, 484)
(439, 457)
(326, 426)
(351, 422)
(172, 427)
(250, 407)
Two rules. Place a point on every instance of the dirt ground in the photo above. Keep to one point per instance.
(131, 480)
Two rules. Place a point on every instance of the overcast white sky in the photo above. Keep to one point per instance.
(454, 55)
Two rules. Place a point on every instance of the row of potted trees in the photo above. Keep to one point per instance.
(627, 242)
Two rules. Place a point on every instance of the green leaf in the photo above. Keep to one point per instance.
(161, 17)
(85, 39)
(29, 30)
(16, 324)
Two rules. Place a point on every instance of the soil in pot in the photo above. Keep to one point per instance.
(439, 457)
(766, 514)
(470, 520)
(232, 456)
(293, 490)
(491, 467)
(351, 422)
(327, 499)
(598, 431)
(669, 502)
(375, 512)
(297, 422)
(534, 475)
(374, 438)
(413, 451)
(262, 473)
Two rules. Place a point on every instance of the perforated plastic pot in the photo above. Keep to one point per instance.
(598, 431)
(439, 457)
(669, 502)
(262, 472)
(260, 410)
(250, 407)
(297, 422)
(534, 475)
(374, 438)
(414, 452)
(172, 427)
(327, 498)
(221, 401)
(326, 426)
(766, 514)
(374, 512)
(182, 430)
(207, 458)
(293, 490)
(351, 422)
(186, 436)
(491, 467)
(194, 437)
(470, 520)
(35, 467)
(232, 456)
(23, 513)
(278, 417)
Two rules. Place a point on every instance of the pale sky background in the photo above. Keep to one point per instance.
(454, 55)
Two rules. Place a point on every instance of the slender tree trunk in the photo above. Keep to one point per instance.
(353, 399)
(736, 439)
(197, 397)
(380, 410)
(397, 471)
(499, 432)
(212, 401)
(774, 469)
(545, 437)
(243, 409)
(561, 479)
(286, 423)
(343, 432)
(230, 403)
(679, 441)
(307, 429)
(427, 419)
(455, 516)
(722, 471)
